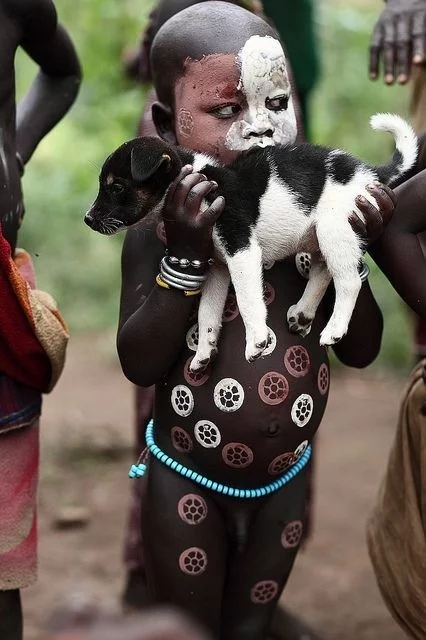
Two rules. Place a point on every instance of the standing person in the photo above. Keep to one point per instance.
(135, 592)
(196, 77)
(32, 334)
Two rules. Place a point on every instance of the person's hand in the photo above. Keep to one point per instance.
(375, 218)
(399, 40)
(188, 229)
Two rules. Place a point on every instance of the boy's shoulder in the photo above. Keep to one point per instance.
(31, 14)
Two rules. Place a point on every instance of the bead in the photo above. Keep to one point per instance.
(197, 264)
(214, 486)
(173, 260)
(184, 263)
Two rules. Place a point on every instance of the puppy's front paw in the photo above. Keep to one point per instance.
(298, 321)
(256, 344)
(332, 333)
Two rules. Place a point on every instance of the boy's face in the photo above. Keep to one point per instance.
(226, 103)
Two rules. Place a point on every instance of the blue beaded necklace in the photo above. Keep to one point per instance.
(137, 471)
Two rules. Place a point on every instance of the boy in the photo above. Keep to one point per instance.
(196, 78)
(26, 368)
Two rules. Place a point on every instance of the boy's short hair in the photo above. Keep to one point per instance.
(202, 29)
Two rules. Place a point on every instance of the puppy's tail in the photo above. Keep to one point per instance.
(406, 143)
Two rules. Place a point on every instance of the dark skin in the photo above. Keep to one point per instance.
(32, 25)
(145, 328)
(398, 40)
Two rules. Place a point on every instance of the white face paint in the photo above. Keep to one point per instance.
(266, 86)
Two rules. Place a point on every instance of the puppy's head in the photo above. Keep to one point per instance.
(132, 184)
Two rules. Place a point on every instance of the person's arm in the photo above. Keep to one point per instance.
(153, 320)
(361, 345)
(56, 85)
(398, 40)
(398, 252)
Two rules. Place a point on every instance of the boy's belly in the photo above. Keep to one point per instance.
(241, 423)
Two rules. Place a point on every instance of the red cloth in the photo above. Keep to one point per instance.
(21, 355)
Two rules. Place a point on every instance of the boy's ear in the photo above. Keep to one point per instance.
(164, 122)
(143, 165)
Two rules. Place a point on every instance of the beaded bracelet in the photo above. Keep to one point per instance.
(165, 285)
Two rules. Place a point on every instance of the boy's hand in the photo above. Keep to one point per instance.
(399, 39)
(188, 229)
(375, 218)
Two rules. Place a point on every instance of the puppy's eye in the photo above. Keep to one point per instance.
(279, 103)
(116, 188)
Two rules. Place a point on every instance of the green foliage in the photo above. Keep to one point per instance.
(82, 269)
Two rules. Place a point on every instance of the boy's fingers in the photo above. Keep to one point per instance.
(357, 224)
(198, 192)
(186, 170)
(184, 188)
(385, 198)
(216, 208)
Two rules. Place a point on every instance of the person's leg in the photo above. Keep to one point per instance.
(135, 594)
(185, 546)
(258, 573)
(10, 615)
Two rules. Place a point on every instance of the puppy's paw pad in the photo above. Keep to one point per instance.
(298, 321)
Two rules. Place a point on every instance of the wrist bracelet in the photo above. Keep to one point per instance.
(183, 281)
(186, 292)
(21, 165)
(185, 263)
(363, 271)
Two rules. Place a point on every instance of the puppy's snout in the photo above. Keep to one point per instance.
(89, 220)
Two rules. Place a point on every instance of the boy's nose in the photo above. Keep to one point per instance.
(258, 130)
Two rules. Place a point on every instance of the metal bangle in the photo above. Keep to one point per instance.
(165, 266)
(364, 271)
(178, 283)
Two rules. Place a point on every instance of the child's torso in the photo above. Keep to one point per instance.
(240, 423)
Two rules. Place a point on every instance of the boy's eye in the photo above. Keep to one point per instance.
(280, 103)
(116, 188)
(226, 111)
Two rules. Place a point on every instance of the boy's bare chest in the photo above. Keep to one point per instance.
(269, 406)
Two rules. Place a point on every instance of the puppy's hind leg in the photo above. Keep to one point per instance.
(301, 315)
(246, 271)
(341, 250)
(210, 312)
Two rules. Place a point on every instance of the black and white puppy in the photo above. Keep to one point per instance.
(277, 199)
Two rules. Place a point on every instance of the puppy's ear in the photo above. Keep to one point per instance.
(143, 165)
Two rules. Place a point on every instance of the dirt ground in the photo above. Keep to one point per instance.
(87, 436)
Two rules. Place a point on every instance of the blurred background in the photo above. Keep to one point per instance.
(81, 268)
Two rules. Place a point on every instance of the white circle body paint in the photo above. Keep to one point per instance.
(182, 400)
(301, 411)
(192, 337)
(228, 395)
(207, 434)
(263, 76)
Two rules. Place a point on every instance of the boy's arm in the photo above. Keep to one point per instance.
(153, 320)
(56, 85)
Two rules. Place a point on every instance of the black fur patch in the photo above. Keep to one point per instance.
(303, 169)
(342, 167)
